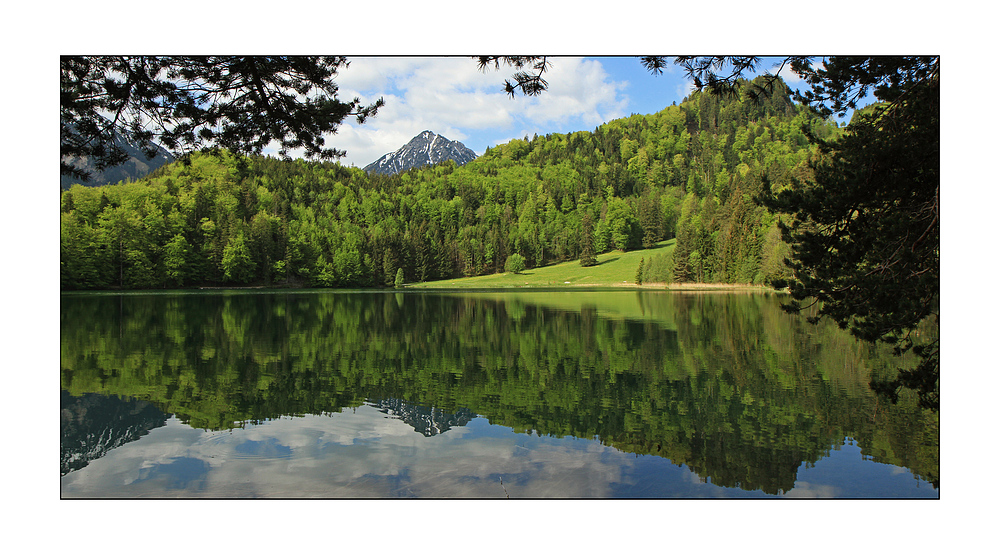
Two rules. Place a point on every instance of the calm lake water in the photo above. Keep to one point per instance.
(571, 394)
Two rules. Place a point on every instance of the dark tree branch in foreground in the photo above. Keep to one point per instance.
(865, 231)
(528, 77)
(190, 102)
(706, 72)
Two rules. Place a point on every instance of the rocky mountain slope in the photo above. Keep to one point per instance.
(425, 149)
(135, 167)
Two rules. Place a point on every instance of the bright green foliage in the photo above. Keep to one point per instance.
(399, 278)
(81, 259)
(624, 226)
(660, 268)
(175, 260)
(221, 219)
(515, 264)
(236, 262)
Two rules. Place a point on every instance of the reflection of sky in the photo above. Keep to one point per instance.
(846, 474)
(363, 453)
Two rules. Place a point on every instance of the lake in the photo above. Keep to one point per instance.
(491, 394)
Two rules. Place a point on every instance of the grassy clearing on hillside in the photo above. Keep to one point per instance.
(613, 269)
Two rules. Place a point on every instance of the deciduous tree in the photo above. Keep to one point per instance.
(515, 264)
(236, 261)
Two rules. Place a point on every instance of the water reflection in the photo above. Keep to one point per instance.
(363, 453)
(427, 421)
(727, 388)
(91, 425)
(373, 456)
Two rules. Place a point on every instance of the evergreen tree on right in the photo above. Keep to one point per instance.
(865, 232)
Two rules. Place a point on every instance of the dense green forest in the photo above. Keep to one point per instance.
(690, 171)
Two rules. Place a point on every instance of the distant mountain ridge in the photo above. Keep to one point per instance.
(137, 166)
(425, 149)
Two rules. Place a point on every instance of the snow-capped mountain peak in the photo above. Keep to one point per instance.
(425, 149)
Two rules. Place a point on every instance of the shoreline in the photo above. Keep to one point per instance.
(657, 286)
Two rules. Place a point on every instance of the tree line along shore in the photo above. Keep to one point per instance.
(686, 176)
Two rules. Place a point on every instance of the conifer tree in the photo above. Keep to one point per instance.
(865, 233)
(587, 257)
(185, 103)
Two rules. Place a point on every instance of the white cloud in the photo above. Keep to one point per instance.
(788, 75)
(367, 74)
(452, 97)
(685, 88)
(578, 89)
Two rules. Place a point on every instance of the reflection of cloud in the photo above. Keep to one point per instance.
(807, 490)
(357, 453)
(364, 453)
(131, 465)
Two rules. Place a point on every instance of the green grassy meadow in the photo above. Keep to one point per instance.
(613, 269)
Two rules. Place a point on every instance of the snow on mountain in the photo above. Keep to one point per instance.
(427, 148)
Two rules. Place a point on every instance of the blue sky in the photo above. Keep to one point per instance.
(452, 97)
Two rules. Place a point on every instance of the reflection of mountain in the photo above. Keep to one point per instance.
(92, 425)
(427, 421)
(729, 385)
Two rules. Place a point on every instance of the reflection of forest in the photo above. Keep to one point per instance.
(728, 385)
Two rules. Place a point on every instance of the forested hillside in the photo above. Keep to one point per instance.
(690, 171)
